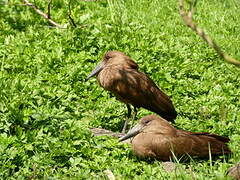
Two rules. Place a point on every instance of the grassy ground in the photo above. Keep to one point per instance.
(46, 107)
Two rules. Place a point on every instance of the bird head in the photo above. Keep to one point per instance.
(112, 58)
(149, 124)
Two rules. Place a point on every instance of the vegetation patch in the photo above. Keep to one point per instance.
(47, 107)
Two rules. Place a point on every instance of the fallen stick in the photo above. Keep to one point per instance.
(105, 132)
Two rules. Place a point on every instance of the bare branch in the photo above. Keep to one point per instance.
(188, 20)
(49, 9)
(70, 13)
(43, 14)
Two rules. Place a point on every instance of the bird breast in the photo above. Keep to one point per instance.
(108, 77)
(117, 79)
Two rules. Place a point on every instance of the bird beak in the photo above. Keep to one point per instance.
(97, 69)
(132, 132)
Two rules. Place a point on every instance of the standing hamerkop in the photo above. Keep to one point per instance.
(119, 74)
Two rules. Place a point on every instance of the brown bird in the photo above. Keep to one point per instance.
(155, 138)
(119, 74)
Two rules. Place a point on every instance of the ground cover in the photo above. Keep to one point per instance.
(47, 108)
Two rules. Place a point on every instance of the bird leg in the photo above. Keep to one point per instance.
(134, 116)
(127, 120)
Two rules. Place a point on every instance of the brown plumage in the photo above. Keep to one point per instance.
(119, 74)
(154, 137)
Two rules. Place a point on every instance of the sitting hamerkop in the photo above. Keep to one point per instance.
(154, 137)
(119, 74)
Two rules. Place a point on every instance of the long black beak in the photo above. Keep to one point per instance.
(132, 132)
(96, 70)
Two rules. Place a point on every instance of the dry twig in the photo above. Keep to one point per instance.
(70, 13)
(49, 9)
(46, 16)
(188, 20)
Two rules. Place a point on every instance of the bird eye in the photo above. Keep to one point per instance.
(147, 121)
(107, 57)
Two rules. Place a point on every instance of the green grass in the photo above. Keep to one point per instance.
(46, 107)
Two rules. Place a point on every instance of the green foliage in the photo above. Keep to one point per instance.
(46, 107)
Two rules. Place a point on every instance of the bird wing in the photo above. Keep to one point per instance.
(198, 144)
(164, 146)
(218, 137)
(134, 87)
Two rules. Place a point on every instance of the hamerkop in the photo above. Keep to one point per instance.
(155, 138)
(119, 74)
